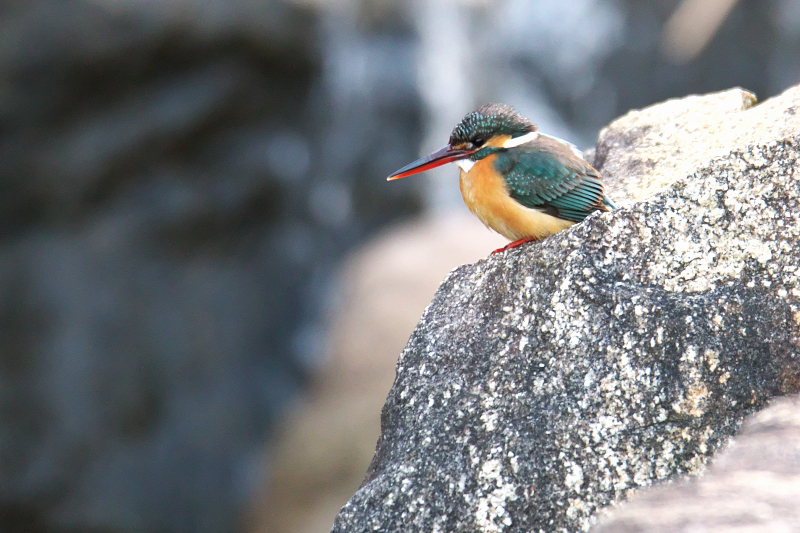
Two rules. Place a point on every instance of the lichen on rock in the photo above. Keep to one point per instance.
(548, 382)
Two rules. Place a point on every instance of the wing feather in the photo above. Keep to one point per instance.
(546, 174)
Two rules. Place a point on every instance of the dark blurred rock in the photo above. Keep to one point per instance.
(171, 204)
(543, 51)
(544, 384)
(752, 485)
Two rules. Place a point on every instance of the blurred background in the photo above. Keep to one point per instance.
(205, 279)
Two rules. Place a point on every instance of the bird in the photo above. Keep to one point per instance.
(519, 182)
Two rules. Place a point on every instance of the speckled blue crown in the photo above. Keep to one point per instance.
(491, 120)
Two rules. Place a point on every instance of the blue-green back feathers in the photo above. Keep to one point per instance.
(545, 174)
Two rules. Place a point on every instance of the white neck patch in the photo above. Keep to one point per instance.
(571, 146)
(516, 141)
(465, 164)
(532, 136)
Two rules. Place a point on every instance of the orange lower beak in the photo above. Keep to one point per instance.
(436, 159)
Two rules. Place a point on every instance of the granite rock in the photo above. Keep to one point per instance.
(752, 485)
(544, 384)
(646, 150)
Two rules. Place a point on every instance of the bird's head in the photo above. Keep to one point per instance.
(490, 128)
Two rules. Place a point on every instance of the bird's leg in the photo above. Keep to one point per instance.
(514, 244)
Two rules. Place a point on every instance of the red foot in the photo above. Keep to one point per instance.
(514, 244)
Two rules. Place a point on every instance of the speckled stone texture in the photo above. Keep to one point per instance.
(548, 382)
(642, 152)
(752, 486)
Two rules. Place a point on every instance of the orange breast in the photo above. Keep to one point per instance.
(486, 194)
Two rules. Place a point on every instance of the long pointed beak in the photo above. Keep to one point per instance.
(436, 159)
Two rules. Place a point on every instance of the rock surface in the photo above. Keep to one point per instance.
(753, 485)
(644, 151)
(544, 384)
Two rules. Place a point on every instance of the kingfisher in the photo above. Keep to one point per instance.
(519, 182)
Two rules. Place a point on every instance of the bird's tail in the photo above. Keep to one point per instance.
(609, 202)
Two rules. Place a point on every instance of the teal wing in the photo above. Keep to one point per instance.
(545, 174)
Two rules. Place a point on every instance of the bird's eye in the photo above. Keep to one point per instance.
(478, 142)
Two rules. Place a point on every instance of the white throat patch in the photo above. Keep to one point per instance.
(465, 164)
